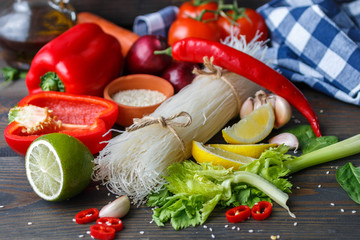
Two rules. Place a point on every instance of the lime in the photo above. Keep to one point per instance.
(58, 166)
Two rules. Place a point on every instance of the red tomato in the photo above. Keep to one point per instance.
(247, 23)
(193, 9)
(188, 27)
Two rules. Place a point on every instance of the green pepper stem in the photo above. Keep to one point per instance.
(50, 81)
(342, 149)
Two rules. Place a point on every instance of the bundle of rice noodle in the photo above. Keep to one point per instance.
(134, 162)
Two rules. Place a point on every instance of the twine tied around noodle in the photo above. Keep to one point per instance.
(164, 122)
(217, 71)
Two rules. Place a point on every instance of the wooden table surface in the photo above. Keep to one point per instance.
(323, 209)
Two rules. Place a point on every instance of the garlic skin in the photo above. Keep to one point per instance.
(287, 139)
(118, 208)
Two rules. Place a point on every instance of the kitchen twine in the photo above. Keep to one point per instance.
(218, 72)
(165, 123)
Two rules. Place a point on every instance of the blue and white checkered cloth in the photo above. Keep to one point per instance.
(157, 23)
(312, 41)
(317, 42)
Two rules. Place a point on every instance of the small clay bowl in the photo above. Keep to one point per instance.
(137, 81)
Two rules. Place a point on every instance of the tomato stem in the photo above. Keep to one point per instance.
(197, 3)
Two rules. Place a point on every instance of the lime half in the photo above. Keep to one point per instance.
(58, 166)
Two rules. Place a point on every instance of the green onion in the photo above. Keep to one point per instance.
(342, 149)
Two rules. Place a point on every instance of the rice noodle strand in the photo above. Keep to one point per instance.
(133, 163)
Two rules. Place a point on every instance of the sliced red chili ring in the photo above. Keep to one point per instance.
(86, 216)
(114, 222)
(102, 232)
(238, 214)
(261, 210)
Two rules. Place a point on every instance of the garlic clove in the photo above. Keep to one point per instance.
(118, 208)
(287, 139)
(260, 99)
(282, 110)
(247, 107)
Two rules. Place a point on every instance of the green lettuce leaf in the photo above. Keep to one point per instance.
(271, 166)
(194, 190)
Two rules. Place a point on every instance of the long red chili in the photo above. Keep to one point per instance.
(195, 49)
(87, 215)
(238, 214)
(102, 232)
(113, 222)
(261, 210)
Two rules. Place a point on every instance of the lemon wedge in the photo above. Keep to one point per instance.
(217, 156)
(250, 150)
(252, 128)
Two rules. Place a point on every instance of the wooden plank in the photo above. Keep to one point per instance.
(123, 12)
(23, 215)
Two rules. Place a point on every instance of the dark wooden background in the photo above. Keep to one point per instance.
(23, 215)
(124, 12)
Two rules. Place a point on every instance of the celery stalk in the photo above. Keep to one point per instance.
(345, 148)
(255, 180)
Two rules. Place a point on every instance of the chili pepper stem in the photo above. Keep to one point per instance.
(165, 51)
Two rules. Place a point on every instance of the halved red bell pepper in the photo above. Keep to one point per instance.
(82, 61)
(86, 118)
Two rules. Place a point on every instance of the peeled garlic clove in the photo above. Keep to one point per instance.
(118, 208)
(282, 110)
(247, 107)
(287, 139)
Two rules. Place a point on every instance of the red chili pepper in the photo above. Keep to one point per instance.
(238, 214)
(86, 118)
(102, 232)
(116, 223)
(86, 216)
(261, 210)
(195, 49)
(82, 60)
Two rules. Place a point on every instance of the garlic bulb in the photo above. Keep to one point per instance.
(282, 108)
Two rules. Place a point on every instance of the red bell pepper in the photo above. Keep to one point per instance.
(87, 215)
(195, 49)
(82, 61)
(261, 210)
(86, 118)
(238, 214)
